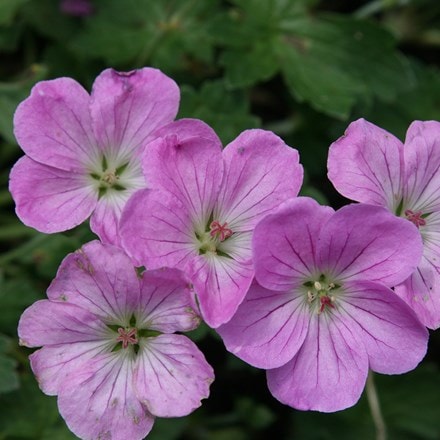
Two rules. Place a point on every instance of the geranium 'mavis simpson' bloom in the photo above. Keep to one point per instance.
(82, 150)
(204, 205)
(370, 165)
(322, 312)
(109, 349)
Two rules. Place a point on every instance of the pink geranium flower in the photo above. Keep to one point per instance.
(109, 348)
(205, 203)
(370, 165)
(82, 150)
(323, 312)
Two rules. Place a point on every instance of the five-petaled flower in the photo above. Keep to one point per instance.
(323, 312)
(82, 151)
(370, 165)
(203, 207)
(110, 351)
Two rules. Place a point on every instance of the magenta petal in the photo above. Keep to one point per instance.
(53, 125)
(46, 322)
(261, 172)
(421, 291)
(221, 284)
(165, 302)
(156, 230)
(105, 219)
(368, 243)
(268, 328)
(126, 107)
(171, 376)
(366, 165)
(49, 199)
(186, 160)
(394, 338)
(53, 364)
(284, 243)
(422, 166)
(328, 373)
(99, 278)
(99, 402)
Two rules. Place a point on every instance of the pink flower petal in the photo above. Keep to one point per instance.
(54, 364)
(366, 165)
(165, 302)
(156, 230)
(328, 373)
(268, 328)
(104, 221)
(394, 338)
(99, 278)
(46, 322)
(53, 125)
(284, 243)
(367, 242)
(220, 284)
(421, 292)
(186, 161)
(99, 401)
(422, 166)
(261, 172)
(126, 107)
(171, 376)
(50, 199)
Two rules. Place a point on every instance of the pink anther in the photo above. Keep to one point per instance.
(127, 336)
(221, 231)
(415, 217)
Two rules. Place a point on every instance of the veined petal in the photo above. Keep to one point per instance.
(104, 221)
(422, 166)
(284, 243)
(99, 278)
(171, 376)
(50, 199)
(99, 401)
(53, 125)
(156, 230)
(46, 322)
(186, 160)
(126, 107)
(261, 172)
(328, 373)
(53, 364)
(165, 302)
(421, 292)
(220, 284)
(395, 340)
(366, 165)
(367, 242)
(268, 328)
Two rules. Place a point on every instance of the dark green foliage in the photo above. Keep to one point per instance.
(302, 68)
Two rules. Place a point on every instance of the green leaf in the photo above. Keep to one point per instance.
(8, 374)
(226, 111)
(27, 412)
(8, 9)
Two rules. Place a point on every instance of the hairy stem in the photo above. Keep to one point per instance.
(376, 413)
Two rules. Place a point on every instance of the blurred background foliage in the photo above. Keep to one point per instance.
(302, 68)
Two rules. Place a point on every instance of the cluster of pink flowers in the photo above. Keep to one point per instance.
(189, 230)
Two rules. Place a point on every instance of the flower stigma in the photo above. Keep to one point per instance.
(127, 336)
(415, 217)
(210, 240)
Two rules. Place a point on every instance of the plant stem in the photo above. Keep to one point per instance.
(376, 413)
